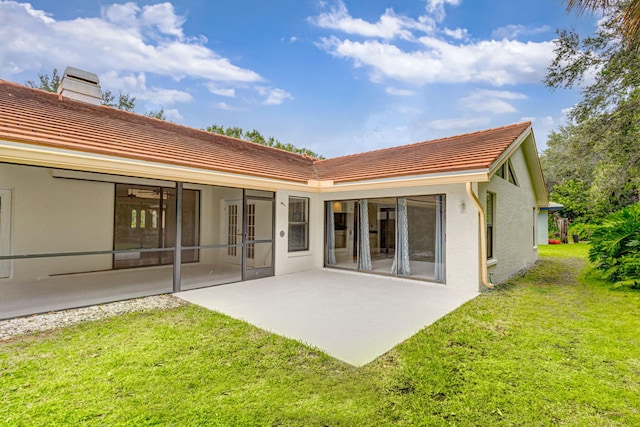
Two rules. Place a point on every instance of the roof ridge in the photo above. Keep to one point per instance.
(429, 141)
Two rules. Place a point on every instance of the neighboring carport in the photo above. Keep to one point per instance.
(353, 317)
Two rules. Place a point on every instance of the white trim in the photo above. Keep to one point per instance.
(75, 163)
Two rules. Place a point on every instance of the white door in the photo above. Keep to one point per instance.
(5, 231)
(233, 231)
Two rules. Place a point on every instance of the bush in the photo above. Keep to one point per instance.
(615, 245)
(584, 231)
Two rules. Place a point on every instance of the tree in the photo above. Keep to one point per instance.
(51, 83)
(46, 82)
(125, 102)
(157, 114)
(627, 17)
(603, 138)
(255, 136)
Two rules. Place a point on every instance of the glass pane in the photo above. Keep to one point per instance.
(345, 233)
(298, 237)
(261, 212)
(420, 246)
(57, 283)
(421, 220)
(263, 254)
(382, 233)
(213, 268)
(145, 219)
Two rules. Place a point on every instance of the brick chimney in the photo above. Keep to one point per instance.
(81, 86)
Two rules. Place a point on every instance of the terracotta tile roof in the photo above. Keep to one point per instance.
(37, 117)
(478, 150)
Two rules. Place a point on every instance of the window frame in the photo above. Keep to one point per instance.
(490, 220)
(304, 223)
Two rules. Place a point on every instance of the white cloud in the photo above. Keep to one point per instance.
(224, 106)
(217, 90)
(494, 62)
(457, 126)
(511, 32)
(136, 85)
(163, 17)
(399, 92)
(125, 38)
(173, 114)
(389, 26)
(273, 96)
(491, 101)
(458, 33)
(436, 7)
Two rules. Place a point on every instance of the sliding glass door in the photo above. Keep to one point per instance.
(402, 236)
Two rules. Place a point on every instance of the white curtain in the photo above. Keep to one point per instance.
(439, 270)
(364, 250)
(401, 264)
(331, 235)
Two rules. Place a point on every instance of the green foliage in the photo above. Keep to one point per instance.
(125, 102)
(583, 230)
(157, 114)
(615, 245)
(601, 145)
(46, 82)
(255, 136)
(573, 196)
(51, 83)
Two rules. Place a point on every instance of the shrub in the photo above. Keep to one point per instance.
(615, 245)
(584, 231)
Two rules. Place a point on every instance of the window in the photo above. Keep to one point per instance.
(298, 224)
(534, 226)
(251, 230)
(490, 219)
(506, 172)
(145, 219)
(400, 236)
(232, 230)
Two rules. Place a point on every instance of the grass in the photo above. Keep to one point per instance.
(555, 346)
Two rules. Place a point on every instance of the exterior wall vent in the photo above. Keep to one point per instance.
(81, 86)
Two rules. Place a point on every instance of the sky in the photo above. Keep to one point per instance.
(335, 76)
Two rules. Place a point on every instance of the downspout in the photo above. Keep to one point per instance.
(484, 273)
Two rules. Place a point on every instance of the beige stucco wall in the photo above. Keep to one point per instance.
(53, 215)
(461, 256)
(515, 222)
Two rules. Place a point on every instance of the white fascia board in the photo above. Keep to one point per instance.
(34, 155)
(478, 175)
(509, 151)
(61, 159)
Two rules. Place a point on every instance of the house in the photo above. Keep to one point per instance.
(543, 221)
(99, 204)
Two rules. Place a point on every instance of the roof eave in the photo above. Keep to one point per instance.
(33, 155)
(458, 177)
(527, 141)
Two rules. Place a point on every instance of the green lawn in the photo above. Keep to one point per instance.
(553, 347)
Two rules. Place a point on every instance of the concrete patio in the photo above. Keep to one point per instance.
(350, 316)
